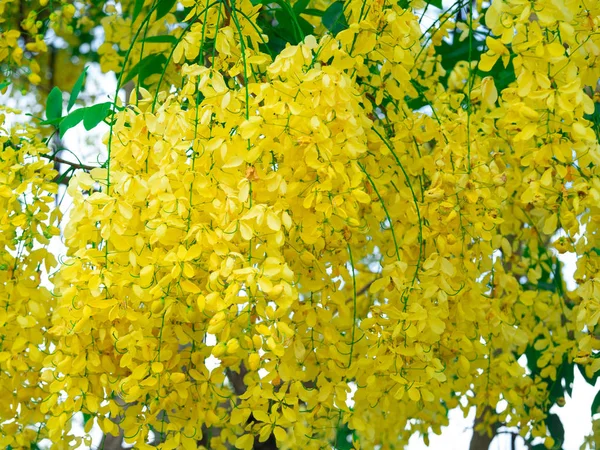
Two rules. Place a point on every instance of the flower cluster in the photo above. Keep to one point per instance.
(28, 220)
(355, 217)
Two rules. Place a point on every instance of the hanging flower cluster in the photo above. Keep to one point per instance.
(28, 220)
(352, 231)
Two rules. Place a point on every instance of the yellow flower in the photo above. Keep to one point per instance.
(496, 50)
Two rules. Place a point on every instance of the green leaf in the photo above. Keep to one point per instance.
(54, 104)
(532, 358)
(564, 381)
(71, 121)
(163, 8)
(284, 21)
(595, 116)
(343, 438)
(288, 22)
(556, 429)
(334, 19)
(436, 3)
(164, 39)
(4, 84)
(93, 115)
(596, 404)
(305, 26)
(51, 122)
(147, 66)
(313, 12)
(457, 51)
(137, 9)
(569, 377)
(76, 89)
(300, 6)
(503, 76)
(557, 390)
(292, 27)
(590, 380)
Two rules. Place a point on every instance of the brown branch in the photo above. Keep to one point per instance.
(74, 165)
(110, 442)
(365, 288)
(481, 439)
(361, 291)
(62, 180)
(237, 379)
(227, 19)
(239, 387)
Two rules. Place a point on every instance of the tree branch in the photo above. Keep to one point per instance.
(237, 379)
(69, 163)
(481, 439)
(361, 291)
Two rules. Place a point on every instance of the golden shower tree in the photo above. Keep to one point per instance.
(314, 224)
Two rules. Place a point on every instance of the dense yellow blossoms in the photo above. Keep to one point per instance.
(294, 216)
(28, 221)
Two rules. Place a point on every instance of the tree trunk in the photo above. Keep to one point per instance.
(110, 442)
(481, 439)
